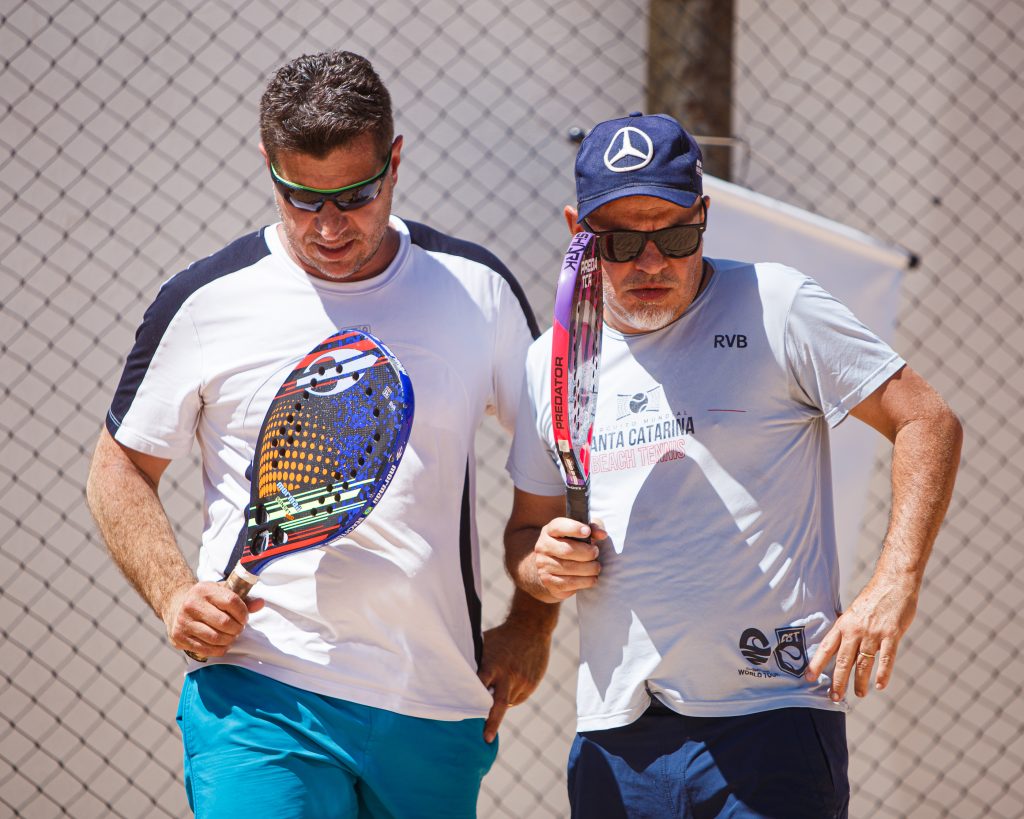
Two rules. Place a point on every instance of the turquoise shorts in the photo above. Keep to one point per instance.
(257, 747)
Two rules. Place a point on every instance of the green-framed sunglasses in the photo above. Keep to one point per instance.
(349, 197)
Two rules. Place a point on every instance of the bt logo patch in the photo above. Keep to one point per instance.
(790, 650)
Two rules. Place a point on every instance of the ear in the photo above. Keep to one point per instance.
(396, 156)
(570, 219)
(263, 151)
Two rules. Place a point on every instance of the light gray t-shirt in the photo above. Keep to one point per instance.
(711, 473)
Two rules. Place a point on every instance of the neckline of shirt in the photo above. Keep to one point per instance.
(272, 236)
(702, 298)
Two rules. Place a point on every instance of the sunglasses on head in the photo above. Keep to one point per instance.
(349, 197)
(676, 242)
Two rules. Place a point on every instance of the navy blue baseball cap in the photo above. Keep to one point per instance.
(638, 155)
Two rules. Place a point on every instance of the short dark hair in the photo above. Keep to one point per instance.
(319, 102)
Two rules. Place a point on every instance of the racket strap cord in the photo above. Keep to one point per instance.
(236, 553)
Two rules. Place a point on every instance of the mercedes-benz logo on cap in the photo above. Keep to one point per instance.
(622, 153)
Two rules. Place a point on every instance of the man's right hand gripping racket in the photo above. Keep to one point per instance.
(575, 366)
(329, 446)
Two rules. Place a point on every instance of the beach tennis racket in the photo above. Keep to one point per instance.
(575, 365)
(329, 446)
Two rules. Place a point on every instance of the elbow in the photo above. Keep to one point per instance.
(955, 433)
(944, 425)
(946, 432)
(949, 425)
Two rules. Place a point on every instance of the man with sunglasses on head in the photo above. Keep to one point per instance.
(715, 656)
(356, 681)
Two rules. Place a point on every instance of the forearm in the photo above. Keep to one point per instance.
(926, 455)
(135, 528)
(531, 614)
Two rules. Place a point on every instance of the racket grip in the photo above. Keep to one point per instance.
(577, 503)
(240, 585)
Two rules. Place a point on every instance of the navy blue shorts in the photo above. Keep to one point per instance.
(789, 763)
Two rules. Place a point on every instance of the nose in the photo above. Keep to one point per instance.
(331, 221)
(650, 260)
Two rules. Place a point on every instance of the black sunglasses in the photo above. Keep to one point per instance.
(349, 197)
(676, 242)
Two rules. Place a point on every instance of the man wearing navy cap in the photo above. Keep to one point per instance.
(715, 653)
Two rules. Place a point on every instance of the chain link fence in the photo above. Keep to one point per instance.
(128, 149)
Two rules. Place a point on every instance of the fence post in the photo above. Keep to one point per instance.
(689, 71)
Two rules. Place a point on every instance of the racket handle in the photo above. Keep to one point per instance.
(240, 581)
(577, 503)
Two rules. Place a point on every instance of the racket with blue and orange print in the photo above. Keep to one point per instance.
(329, 446)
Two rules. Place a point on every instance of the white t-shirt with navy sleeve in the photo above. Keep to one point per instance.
(711, 473)
(388, 616)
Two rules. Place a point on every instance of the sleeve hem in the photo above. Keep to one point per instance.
(535, 487)
(147, 446)
(885, 371)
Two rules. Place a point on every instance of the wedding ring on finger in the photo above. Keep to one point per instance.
(867, 654)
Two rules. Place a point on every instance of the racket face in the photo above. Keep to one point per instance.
(330, 444)
(576, 357)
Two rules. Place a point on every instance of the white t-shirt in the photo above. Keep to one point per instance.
(390, 615)
(710, 470)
